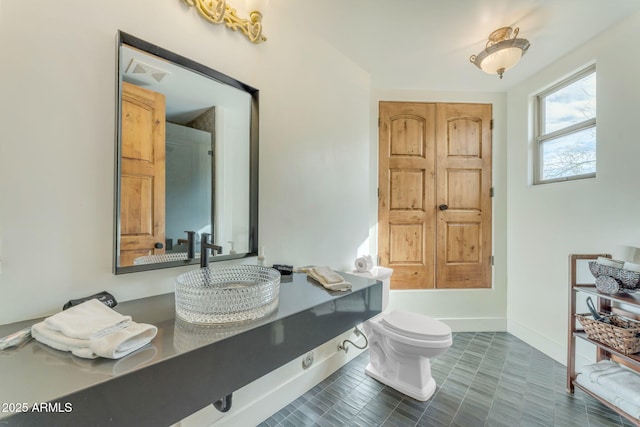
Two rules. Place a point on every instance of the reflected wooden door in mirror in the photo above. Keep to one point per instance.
(142, 176)
(186, 162)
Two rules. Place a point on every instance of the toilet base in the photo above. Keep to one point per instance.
(419, 394)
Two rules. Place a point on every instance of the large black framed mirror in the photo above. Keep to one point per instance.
(186, 161)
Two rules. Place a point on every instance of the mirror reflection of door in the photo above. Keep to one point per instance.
(142, 177)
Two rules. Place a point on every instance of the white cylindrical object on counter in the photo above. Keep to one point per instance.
(364, 263)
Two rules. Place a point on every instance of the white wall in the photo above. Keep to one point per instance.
(548, 222)
(58, 120)
(57, 115)
(463, 310)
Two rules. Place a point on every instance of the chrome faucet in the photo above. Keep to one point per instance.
(204, 249)
(191, 244)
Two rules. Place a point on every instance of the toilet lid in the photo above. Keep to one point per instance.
(418, 326)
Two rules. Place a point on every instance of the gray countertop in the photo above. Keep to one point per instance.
(229, 357)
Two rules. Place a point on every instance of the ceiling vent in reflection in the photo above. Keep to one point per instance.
(140, 70)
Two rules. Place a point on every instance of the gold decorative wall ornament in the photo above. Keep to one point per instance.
(218, 11)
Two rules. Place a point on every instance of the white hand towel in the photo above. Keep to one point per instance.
(610, 262)
(625, 383)
(61, 359)
(593, 371)
(629, 408)
(112, 346)
(124, 341)
(610, 395)
(329, 278)
(606, 394)
(631, 267)
(59, 341)
(89, 320)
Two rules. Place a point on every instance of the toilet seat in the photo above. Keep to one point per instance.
(416, 328)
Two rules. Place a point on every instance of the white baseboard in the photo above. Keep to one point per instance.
(479, 324)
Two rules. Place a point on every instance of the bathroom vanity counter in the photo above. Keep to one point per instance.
(185, 368)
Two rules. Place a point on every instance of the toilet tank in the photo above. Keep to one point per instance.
(384, 275)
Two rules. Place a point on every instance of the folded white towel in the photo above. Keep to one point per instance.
(611, 396)
(625, 383)
(628, 407)
(610, 262)
(593, 371)
(89, 320)
(113, 346)
(124, 341)
(329, 278)
(631, 267)
(61, 359)
(606, 394)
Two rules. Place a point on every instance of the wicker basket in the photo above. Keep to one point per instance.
(621, 334)
(627, 279)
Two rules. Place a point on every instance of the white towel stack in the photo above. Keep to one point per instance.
(92, 329)
(610, 262)
(631, 267)
(329, 278)
(612, 382)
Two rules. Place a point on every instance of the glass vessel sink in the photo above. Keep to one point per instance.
(227, 294)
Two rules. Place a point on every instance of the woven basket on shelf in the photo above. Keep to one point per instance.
(621, 334)
(627, 279)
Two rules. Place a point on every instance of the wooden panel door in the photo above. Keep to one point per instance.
(463, 170)
(406, 193)
(142, 177)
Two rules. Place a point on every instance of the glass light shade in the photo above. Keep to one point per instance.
(502, 52)
(256, 5)
(501, 60)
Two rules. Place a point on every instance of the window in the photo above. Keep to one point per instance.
(566, 139)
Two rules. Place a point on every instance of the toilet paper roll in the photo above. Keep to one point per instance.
(364, 263)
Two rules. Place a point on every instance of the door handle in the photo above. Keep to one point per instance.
(443, 207)
(158, 245)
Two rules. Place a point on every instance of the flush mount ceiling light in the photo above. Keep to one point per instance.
(218, 11)
(502, 52)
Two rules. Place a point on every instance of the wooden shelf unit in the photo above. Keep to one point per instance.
(604, 303)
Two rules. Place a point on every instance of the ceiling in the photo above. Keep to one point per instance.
(426, 44)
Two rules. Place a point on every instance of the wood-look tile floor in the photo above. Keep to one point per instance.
(484, 379)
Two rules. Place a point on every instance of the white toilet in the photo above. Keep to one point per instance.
(402, 343)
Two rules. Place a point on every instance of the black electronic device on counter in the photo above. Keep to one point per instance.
(104, 297)
(284, 269)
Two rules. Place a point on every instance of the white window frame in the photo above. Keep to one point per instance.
(542, 138)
